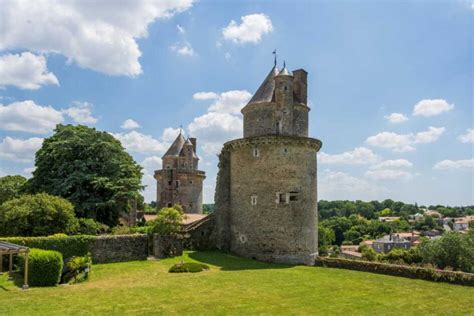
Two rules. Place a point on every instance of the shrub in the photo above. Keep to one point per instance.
(37, 215)
(44, 267)
(88, 226)
(168, 221)
(369, 254)
(77, 269)
(68, 246)
(188, 267)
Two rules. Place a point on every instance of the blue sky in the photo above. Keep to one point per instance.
(390, 84)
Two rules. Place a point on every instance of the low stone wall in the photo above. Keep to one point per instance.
(167, 246)
(119, 248)
(412, 272)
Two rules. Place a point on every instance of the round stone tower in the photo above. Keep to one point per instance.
(266, 198)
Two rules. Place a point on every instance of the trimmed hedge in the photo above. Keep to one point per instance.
(44, 267)
(68, 246)
(412, 272)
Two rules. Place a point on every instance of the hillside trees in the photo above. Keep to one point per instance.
(89, 168)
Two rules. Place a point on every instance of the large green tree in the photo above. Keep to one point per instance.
(11, 187)
(91, 169)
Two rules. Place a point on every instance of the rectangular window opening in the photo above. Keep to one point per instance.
(256, 152)
(294, 195)
(253, 200)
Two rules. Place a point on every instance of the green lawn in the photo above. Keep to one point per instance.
(236, 286)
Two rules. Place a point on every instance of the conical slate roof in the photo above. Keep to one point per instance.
(284, 72)
(266, 90)
(176, 147)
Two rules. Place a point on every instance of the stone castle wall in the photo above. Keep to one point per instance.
(271, 230)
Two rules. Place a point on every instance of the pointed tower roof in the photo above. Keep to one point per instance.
(266, 90)
(284, 71)
(176, 147)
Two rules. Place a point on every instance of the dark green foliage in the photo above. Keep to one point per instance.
(77, 269)
(68, 246)
(208, 208)
(188, 267)
(11, 187)
(89, 168)
(88, 226)
(326, 238)
(398, 270)
(44, 267)
(37, 215)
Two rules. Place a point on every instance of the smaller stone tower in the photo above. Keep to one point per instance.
(179, 181)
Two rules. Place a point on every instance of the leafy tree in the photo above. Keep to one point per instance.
(326, 238)
(37, 215)
(451, 250)
(339, 225)
(89, 168)
(11, 187)
(168, 222)
(88, 226)
(385, 212)
(368, 253)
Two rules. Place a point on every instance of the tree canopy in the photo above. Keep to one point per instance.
(11, 187)
(91, 169)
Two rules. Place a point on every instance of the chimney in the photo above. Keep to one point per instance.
(300, 85)
(193, 141)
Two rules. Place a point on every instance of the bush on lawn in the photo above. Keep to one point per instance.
(188, 267)
(168, 222)
(37, 215)
(77, 269)
(44, 267)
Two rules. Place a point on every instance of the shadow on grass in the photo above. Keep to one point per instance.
(228, 262)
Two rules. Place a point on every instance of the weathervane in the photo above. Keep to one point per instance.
(275, 61)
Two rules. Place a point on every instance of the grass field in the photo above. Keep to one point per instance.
(236, 286)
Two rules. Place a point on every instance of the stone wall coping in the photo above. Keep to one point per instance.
(190, 172)
(273, 140)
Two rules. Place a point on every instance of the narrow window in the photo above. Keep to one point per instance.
(191, 182)
(280, 198)
(168, 167)
(256, 152)
(170, 182)
(177, 183)
(278, 127)
(293, 196)
(285, 150)
(170, 205)
(253, 200)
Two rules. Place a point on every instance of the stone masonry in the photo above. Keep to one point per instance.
(266, 192)
(180, 181)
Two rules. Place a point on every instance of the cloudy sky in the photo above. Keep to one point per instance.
(390, 84)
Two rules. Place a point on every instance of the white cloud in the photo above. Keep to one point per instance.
(101, 37)
(466, 164)
(130, 124)
(405, 142)
(396, 118)
(81, 113)
(230, 102)
(27, 116)
(28, 172)
(213, 129)
(19, 150)
(25, 71)
(468, 137)
(150, 164)
(432, 107)
(205, 95)
(223, 120)
(181, 29)
(251, 30)
(183, 49)
(140, 143)
(392, 164)
(388, 174)
(429, 136)
(341, 186)
(149, 193)
(170, 134)
(360, 155)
